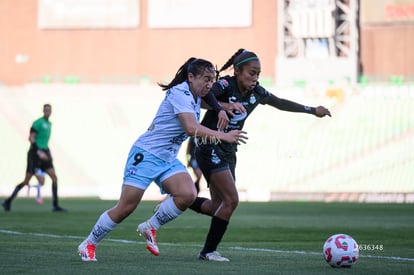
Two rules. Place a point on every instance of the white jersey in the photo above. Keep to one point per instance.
(166, 133)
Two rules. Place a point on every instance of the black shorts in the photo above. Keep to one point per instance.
(34, 162)
(212, 159)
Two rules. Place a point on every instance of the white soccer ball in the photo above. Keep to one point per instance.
(340, 250)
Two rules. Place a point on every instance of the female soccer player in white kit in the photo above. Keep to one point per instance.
(153, 157)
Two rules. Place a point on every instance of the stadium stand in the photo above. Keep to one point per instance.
(366, 147)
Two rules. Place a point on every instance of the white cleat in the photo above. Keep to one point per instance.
(87, 251)
(213, 256)
(149, 234)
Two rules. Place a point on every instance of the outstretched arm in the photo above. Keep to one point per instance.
(290, 106)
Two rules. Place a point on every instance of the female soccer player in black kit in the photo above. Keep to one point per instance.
(239, 94)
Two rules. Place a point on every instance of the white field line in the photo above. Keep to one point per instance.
(396, 258)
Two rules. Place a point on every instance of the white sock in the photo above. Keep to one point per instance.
(38, 186)
(103, 227)
(167, 212)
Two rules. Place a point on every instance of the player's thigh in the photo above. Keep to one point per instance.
(180, 184)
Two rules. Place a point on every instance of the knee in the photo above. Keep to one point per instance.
(189, 197)
(232, 203)
(185, 199)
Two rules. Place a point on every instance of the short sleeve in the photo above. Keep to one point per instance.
(181, 101)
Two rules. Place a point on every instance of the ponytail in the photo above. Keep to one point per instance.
(228, 63)
(195, 66)
(238, 59)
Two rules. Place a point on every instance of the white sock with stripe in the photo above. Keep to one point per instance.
(165, 213)
(103, 226)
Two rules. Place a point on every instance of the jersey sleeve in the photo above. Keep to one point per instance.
(220, 86)
(181, 101)
(35, 127)
(211, 100)
(283, 104)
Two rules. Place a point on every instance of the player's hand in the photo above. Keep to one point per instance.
(42, 155)
(236, 136)
(235, 107)
(322, 111)
(223, 120)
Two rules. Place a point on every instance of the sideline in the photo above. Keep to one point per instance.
(396, 258)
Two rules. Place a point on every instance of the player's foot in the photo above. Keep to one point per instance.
(39, 200)
(149, 234)
(87, 251)
(212, 256)
(6, 206)
(58, 209)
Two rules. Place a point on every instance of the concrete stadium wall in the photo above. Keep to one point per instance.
(125, 55)
(134, 55)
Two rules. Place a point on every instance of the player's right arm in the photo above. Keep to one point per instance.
(192, 128)
(32, 136)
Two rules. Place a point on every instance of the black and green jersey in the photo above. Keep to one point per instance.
(226, 90)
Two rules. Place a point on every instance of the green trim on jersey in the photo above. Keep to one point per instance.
(43, 129)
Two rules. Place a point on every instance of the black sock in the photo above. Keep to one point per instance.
(15, 192)
(54, 194)
(196, 206)
(217, 229)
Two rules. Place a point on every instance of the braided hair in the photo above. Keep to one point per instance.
(195, 66)
(238, 59)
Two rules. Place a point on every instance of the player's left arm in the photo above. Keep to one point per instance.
(291, 106)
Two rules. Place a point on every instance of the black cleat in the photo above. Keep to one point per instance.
(59, 209)
(6, 206)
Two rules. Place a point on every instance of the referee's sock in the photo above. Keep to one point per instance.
(15, 192)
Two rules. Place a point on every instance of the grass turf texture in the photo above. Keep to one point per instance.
(263, 238)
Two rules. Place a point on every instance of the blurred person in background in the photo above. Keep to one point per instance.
(40, 176)
(239, 94)
(153, 156)
(192, 162)
(39, 157)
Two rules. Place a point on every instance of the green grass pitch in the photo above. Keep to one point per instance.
(262, 238)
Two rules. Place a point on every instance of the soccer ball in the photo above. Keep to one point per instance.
(340, 250)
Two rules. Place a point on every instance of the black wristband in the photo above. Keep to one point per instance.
(310, 110)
